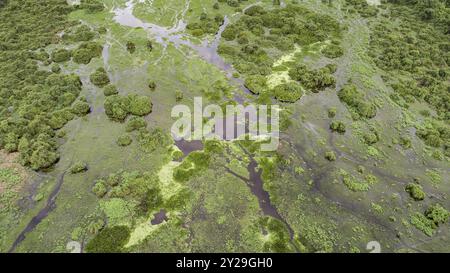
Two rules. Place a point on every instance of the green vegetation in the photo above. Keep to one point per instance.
(109, 240)
(337, 126)
(110, 90)
(415, 191)
(356, 102)
(124, 140)
(261, 36)
(86, 52)
(78, 167)
(364, 109)
(430, 220)
(288, 92)
(99, 77)
(135, 123)
(314, 80)
(61, 55)
(330, 156)
(119, 107)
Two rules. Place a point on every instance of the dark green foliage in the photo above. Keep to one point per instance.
(205, 25)
(150, 141)
(61, 55)
(86, 52)
(333, 51)
(99, 78)
(437, 214)
(313, 80)
(337, 126)
(355, 100)
(415, 191)
(279, 241)
(109, 240)
(179, 95)
(100, 188)
(131, 47)
(419, 51)
(81, 34)
(332, 112)
(430, 220)
(135, 123)
(256, 84)
(124, 140)
(259, 31)
(140, 188)
(33, 103)
(330, 156)
(139, 105)
(110, 90)
(91, 6)
(361, 6)
(192, 165)
(78, 167)
(81, 108)
(117, 107)
(434, 134)
(371, 136)
(152, 85)
(288, 92)
(56, 68)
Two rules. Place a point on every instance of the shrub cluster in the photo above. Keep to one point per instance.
(356, 101)
(119, 107)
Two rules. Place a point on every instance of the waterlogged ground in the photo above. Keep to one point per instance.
(243, 199)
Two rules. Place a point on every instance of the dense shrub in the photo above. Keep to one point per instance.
(333, 51)
(288, 92)
(437, 214)
(418, 50)
(415, 191)
(81, 34)
(99, 78)
(313, 80)
(86, 52)
(354, 99)
(78, 167)
(61, 55)
(330, 156)
(91, 6)
(117, 107)
(33, 102)
(260, 30)
(110, 90)
(81, 108)
(150, 141)
(135, 123)
(124, 140)
(256, 83)
(131, 47)
(109, 240)
(337, 126)
(139, 105)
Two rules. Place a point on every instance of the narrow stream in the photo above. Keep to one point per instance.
(50, 205)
